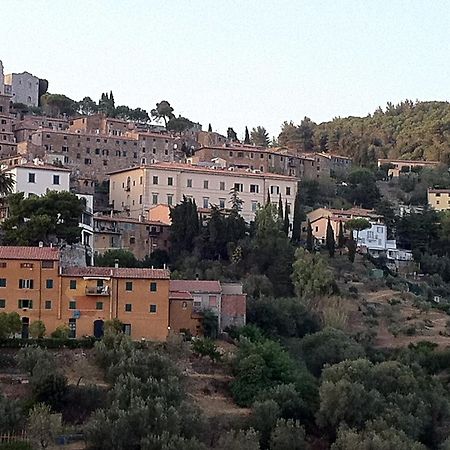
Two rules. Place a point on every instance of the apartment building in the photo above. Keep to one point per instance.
(439, 199)
(251, 157)
(139, 236)
(24, 88)
(326, 165)
(136, 190)
(33, 284)
(91, 154)
(28, 124)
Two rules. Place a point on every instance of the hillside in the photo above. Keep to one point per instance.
(409, 130)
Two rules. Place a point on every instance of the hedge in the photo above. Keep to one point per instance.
(48, 343)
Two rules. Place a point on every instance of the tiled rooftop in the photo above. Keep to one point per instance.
(121, 272)
(195, 286)
(29, 253)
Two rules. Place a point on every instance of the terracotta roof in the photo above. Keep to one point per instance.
(121, 272)
(200, 169)
(28, 253)
(438, 191)
(180, 295)
(194, 286)
(408, 161)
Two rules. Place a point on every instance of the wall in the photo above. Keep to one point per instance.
(25, 88)
(183, 317)
(440, 201)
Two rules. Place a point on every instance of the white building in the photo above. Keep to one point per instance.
(24, 88)
(138, 189)
(375, 238)
(39, 178)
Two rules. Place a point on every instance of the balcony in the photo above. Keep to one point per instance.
(97, 290)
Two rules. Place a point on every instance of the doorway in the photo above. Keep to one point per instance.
(98, 328)
(25, 327)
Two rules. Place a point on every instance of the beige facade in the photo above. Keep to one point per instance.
(439, 199)
(136, 190)
(402, 165)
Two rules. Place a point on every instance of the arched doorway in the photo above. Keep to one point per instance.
(25, 327)
(98, 328)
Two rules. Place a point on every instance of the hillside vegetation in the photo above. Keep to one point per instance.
(409, 130)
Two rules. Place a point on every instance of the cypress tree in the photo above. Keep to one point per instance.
(309, 238)
(247, 136)
(330, 241)
(286, 219)
(280, 207)
(209, 128)
(341, 238)
(297, 222)
(268, 197)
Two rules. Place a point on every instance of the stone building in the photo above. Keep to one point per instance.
(24, 88)
(8, 145)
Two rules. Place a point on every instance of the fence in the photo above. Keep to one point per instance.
(6, 438)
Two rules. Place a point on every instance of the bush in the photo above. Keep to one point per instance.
(61, 332)
(50, 389)
(206, 347)
(37, 329)
(48, 343)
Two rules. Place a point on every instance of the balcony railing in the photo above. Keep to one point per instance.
(97, 290)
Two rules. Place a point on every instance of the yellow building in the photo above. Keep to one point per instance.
(33, 284)
(439, 199)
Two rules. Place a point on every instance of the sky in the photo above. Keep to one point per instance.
(235, 62)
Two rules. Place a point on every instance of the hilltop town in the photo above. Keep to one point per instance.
(167, 287)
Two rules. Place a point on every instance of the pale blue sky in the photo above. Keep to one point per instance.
(235, 62)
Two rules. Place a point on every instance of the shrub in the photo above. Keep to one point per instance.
(206, 347)
(61, 332)
(50, 389)
(37, 329)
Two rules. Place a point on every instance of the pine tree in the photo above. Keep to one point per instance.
(309, 238)
(341, 237)
(209, 128)
(280, 207)
(247, 136)
(286, 219)
(330, 241)
(297, 222)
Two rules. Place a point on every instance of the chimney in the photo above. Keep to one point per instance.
(197, 277)
(116, 263)
(41, 244)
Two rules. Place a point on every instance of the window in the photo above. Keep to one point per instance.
(197, 302)
(26, 265)
(48, 304)
(26, 284)
(221, 203)
(261, 155)
(222, 185)
(49, 284)
(288, 190)
(238, 187)
(132, 240)
(99, 305)
(153, 309)
(205, 184)
(231, 153)
(170, 199)
(275, 189)
(2, 303)
(155, 180)
(184, 305)
(154, 199)
(73, 284)
(170, 181)
(153, 287)
(240, 154)
(31, 178)
(47, 264)
(212, 301)
(127, 329)
(2, 282)
(128, 307)
(254, 206)
(205, 202)
(379, 229)
(189, 183)
(24, 304)
(72, 304)
(3, 265)
(254, 188)
(129, 286)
